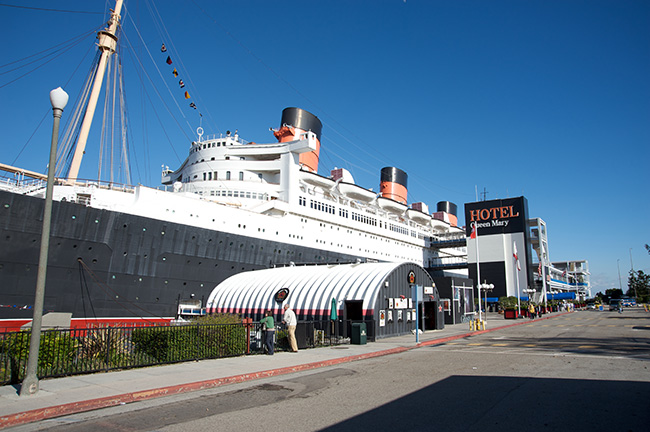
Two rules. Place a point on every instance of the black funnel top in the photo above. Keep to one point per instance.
(301, 119)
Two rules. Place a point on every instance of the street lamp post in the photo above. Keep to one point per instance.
(58, 99)
(486, 287)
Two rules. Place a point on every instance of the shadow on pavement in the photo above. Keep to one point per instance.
(482, 403)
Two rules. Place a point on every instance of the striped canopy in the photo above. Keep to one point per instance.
(311, 289)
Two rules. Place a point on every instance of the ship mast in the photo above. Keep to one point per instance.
(107, 44)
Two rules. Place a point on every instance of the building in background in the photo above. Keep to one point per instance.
(513, 254)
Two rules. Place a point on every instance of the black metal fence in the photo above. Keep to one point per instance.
(83, 351)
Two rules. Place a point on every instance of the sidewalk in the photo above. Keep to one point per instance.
(63, 396)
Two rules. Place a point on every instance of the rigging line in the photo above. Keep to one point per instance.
(164, 105)
(48, 110)
(162, 30)
(51, 10)
(124, 148)
(160, 122)
(161, 77)
(31, 136)
(103, 286)
(70, 45)
(84, 284)
(38, 67)
(82, 35)
(72, 129)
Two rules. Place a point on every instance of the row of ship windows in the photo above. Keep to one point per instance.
(214, 175)
(328, 208)
(210, 145)
(236, 194)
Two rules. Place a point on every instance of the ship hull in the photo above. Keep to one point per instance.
(113, 265)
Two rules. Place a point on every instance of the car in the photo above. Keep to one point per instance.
(591, 306)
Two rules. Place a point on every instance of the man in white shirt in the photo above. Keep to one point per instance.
(290, 320)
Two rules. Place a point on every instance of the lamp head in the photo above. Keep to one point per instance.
(58, 98)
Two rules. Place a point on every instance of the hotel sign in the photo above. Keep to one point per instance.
(496, 216)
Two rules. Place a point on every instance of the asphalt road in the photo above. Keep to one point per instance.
(583, 371)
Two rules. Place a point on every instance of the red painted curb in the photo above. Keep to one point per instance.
(105, 402)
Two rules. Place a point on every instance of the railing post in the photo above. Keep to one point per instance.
(248, 323)
(108, 348)
(198, 343)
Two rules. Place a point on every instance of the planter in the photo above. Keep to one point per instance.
(510, 314)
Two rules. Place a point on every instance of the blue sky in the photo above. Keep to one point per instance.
(546, 99)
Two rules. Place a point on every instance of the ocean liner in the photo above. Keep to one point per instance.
(123, 254)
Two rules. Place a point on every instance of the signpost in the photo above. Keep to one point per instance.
(416, 295)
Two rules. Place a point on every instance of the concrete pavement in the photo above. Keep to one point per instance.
(69, 395)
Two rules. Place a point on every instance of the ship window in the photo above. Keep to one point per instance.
(241, 175)
(203, 176)
(229, 193)
(215, 175)
(248, 194)
(235, 194)
(227, 175)
(254, 196)
(209, 176)
(260, 176)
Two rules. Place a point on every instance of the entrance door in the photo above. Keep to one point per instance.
(354, 310)
(353, 313)
(430, 311)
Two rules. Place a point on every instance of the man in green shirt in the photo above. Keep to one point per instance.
(269, 326)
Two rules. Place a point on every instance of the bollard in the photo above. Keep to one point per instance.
(471, 325)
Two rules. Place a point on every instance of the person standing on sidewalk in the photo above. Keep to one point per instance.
(290, 320)
(269, 331)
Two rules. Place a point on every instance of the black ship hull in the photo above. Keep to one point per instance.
(108, 264)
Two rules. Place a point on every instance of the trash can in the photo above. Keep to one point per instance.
(358, 336)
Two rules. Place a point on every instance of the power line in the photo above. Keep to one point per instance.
(51, 10)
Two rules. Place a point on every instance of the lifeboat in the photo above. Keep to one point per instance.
(355, 192)
(391, 205)
(418, 216)
(316, 180)
(438, 225)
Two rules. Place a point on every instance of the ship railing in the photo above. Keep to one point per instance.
(101, 184)
(21, 185)
(76, 351)
(27, 186)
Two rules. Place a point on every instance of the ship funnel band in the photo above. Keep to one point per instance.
(394, 175)
(301, 119)
(447, 207)
(393, 184)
